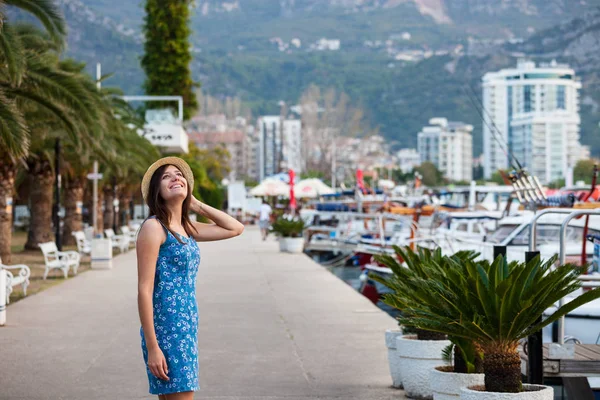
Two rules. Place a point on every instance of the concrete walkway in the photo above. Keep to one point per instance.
(272, 326)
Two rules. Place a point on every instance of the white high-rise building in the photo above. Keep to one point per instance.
(449, 146)
(292, 145)
(269, 137)
(277, 151)
(535, 110)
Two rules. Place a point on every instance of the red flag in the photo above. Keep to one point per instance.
(292, 195)
(360, 180)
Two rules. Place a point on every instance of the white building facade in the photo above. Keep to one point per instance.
(279, 144)
(292, 145)
(534, 110)
(449, 146)
(408, 159)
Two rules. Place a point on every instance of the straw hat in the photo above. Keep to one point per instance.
(175, 161)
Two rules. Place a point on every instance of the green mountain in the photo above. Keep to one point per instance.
(247, 48)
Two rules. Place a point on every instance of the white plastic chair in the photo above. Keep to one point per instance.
(62, 260)
(21, 279)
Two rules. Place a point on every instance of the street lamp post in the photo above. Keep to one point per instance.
(57, 233)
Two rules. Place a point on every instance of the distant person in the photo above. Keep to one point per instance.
(264, 219)
(168, 259)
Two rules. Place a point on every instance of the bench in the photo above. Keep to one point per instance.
(119, 241)
(21, 279)
(62, 260)
(83, 244)
(132, 233)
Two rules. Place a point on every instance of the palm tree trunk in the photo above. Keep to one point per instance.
(41, 176)
(73, 216)
(502, 370)
(7, 189)
(460, 364)
(108, 207)
(124, 208)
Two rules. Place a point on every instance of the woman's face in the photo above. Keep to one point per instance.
(173, 185)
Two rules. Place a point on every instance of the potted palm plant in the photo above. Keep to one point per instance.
(417, 355)
(499, 303)
(462, 358)
(289, 229)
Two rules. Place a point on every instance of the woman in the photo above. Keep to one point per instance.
(168, 260)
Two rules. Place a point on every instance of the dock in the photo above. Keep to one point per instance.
(586, 362)
(272, 326)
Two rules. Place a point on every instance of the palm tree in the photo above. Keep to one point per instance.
(494, 305)
(14, 133)
(86, 117)
(123, 152)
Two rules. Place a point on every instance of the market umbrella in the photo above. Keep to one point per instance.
(271, 187)
(386, 184)
(312, 188)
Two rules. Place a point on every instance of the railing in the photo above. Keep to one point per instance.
(588, 280)
(533, 224)
(345, 217)
(562, 259)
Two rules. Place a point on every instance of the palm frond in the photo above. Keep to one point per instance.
(11, 53)
(47, 13)
(14, 135)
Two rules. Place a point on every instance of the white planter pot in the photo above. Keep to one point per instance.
(447, 385)
(417, 359)
(393, 359)
(531, 392)
(282, 244)
(291, 245)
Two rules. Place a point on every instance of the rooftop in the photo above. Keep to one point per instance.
(216, 137)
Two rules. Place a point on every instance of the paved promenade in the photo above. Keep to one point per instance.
(272, 326)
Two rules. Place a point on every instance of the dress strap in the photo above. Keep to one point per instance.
(167, 230)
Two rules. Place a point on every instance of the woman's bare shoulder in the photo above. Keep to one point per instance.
(152, 231)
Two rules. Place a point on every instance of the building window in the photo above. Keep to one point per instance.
(560, 97)
(527, 98)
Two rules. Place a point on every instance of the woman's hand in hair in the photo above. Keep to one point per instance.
(224, 227)
(198, 207)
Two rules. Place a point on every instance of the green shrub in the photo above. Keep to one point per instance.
(288, 227)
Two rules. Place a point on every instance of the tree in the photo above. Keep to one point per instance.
(124, 156)
(400, 176)
(431, 175)
(584, 170)
(209, 168)
(497, 177)
(325, 117)
(167, 55)
(16, 61)
(82, 118)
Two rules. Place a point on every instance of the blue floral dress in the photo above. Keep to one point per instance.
(176, 315)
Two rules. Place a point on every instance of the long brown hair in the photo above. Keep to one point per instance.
(158, 207)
